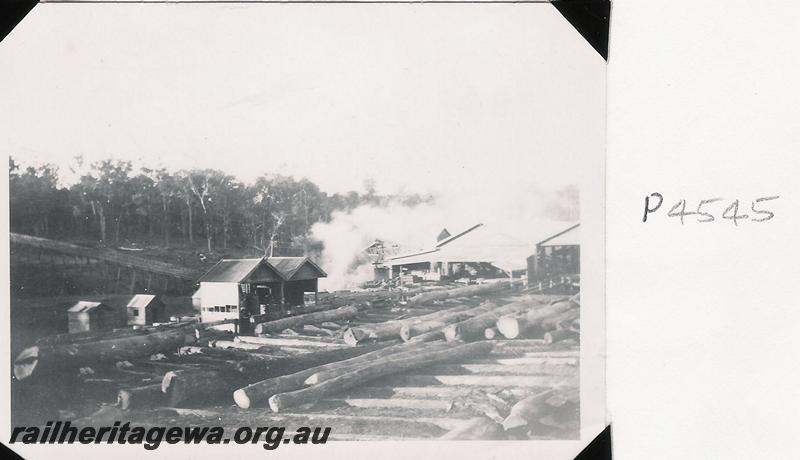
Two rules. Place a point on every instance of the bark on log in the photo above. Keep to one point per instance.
(478, 428)
(500, 381)
(559, 335)
(179, 386)
(140, 397)
(290, 342)
(87, 336)
(220, 353)
(391, 329)
(478, 289)
(276, 326)
(204, 384)
(473, 328)
(259, 392)
(560, 321)
(441, 319)
(373, 371)
(403, 352)
(427, 337)
(516, 325)
(58, 356)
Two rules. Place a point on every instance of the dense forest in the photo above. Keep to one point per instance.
(115, 204)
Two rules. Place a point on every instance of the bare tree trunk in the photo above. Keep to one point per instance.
(189, 207)
(102, 216)
(165, 208)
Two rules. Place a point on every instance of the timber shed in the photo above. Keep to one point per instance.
(145, 309)
(92, 316)
(556, 256)
(242, 288)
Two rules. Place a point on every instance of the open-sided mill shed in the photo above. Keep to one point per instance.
(241, 288)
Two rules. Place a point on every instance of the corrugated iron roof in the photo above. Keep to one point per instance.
(85, 306)
(230, 270)
(568, 237)
(288, 266)
(141, 301)
(237, 270)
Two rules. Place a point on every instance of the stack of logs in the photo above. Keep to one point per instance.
(278, 369)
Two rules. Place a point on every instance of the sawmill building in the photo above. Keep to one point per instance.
(478, 251)
(557, 256)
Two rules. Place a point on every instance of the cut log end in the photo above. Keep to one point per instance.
(405, 333)
(514, 421)
(560, 335)
(353, 336)
(241, 399)
(450, 333)
(313, 379)
(509, 327)
(168, 381)
(490, 333)
(124, 399)
(275, 403)
(26, 362)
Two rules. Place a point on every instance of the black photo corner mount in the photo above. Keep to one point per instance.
(599, 448)
(11, 13)
(6, 452)
(590, 18)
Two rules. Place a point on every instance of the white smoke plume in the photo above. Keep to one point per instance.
(415, 227)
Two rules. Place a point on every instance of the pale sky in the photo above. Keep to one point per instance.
(418, 97)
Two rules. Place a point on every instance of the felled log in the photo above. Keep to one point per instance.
(290, 342)
(495, 380)
(342, 313)
(310, 329)
(527, 410)
(475, 429)
(140, 397)
(514, 325)
(403, 352)
(559, 335)
(87, 336)
(561, 320)
(427, 337)
(220, 353)
(466, 291)
(181, 385)
(259, 392)
(58, 356)
(373, 370)
(231, 344)
(473, 328)
(391, 329)
(186, 385)
(490, 333)
(440, 320)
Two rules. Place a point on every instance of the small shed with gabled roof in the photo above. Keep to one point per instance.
(92, 316)
(145, 309)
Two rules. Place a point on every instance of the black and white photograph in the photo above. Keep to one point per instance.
(352, 222)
